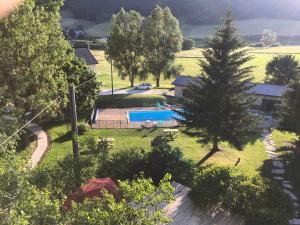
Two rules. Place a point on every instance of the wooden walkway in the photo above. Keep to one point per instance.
(184, 212)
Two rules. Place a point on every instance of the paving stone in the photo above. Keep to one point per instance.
(294, 222)
(278, 178)
(287, 186)
(286, 182)
(278, 164)
(272, 153)
(291, 195)
(270, 148)
(278, 171)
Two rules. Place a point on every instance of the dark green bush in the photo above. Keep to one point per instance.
(123, 165)
(60, 177)
(82, 128)
(165, 159)
(256, 200)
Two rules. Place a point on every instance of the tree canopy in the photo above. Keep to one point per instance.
(162, 39)
(282, 70)
(124, 45)
(216, 104)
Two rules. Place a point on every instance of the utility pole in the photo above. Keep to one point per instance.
(111, 76)
(74, 122)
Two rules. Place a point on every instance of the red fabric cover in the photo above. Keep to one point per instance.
(92, 189)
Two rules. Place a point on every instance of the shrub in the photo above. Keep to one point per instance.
(188, 44)
(60, 178)
(123, 165)
(82, 128)
(165, 159)
(257, 200)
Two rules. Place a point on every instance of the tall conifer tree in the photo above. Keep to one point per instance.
(217, 104)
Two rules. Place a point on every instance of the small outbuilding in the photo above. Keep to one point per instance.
(87, 56)
(267, 96)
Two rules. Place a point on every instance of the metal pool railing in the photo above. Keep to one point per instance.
(123, 124)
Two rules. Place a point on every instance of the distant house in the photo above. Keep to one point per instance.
(87, 56)
(267, 96)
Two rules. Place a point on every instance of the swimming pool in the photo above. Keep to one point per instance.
(152, 115)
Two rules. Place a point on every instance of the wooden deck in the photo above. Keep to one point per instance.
(184, 212)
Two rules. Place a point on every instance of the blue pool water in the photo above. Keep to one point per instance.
(154, 115)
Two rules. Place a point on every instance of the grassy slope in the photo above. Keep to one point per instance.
(189, 61)
(251, 159)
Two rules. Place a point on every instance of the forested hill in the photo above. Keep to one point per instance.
(189, 11)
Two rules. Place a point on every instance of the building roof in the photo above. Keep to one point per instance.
(258, 88)
(86, 55)
(183, 80)
(268, 89)
(91, 190)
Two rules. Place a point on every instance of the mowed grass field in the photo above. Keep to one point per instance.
(252, 158)
(189, 61)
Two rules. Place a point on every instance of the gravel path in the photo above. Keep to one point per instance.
(278, 172)
(42, 144)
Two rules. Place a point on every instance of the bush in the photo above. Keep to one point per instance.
(60, 178)
(188, 44)
(257, 200)
(82, 128)
(123, 165)
(165, 159)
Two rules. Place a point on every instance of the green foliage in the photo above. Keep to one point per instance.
(78, 73)
(22, 203)
(258, 201)
(139, 205)
(33, 53)
(123, 165)
(129, 101)
(269, 38)
(83, 128)
(282, 70)
(289, 113)
(217, 104)
(165, 159)
(188, 44)
(59, 178)
(162, 39)
(124, 45)
(162, 159)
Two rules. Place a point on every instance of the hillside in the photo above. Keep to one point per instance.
(192, 12)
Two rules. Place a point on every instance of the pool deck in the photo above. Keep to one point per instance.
(117, 118)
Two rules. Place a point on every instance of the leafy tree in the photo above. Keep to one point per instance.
(268, 38)
(162, 38)
(217, 104)
(290, 109)
(124, 45)
(21, 202)
(78, 73)
(188, 44)
(282, 69)
(140, 204)
(33, 53)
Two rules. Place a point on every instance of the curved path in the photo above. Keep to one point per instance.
(278, 173)
(42, 144)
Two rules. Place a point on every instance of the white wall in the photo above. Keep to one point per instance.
(93, 67)
(178, 91)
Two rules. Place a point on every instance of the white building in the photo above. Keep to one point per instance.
(267, 96)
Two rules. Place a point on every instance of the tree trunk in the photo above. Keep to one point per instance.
(157, 78)
(215, 144)
(131, 82)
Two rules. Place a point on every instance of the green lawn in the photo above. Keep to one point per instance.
(188, 59)
(252, 157)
